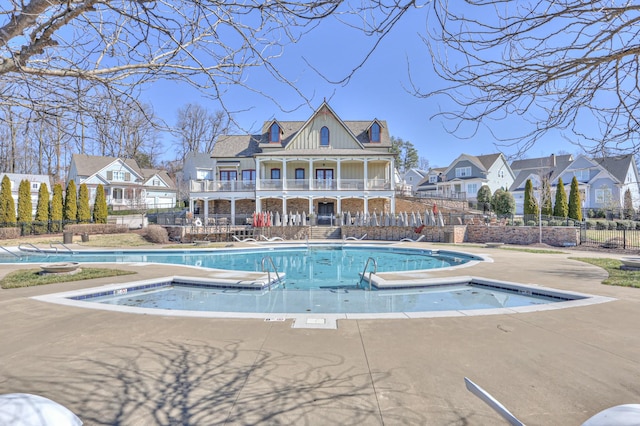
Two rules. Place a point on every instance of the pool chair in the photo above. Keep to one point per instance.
(356, 238)
(620, 415)
(411, 240)
(22, 409)
(272, 238)
(244, 240)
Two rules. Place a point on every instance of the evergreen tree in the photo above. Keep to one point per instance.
(55, 214)
(547, 206)
(7, 205)
(530, 202)
(484, 198)
(503, 202)
(561, 208)
(629, 211)
(100, 206)
(25, 206)
(71, 203)
(575, 212)
(42, 209)
(84, 211)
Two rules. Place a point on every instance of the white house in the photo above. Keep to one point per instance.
(126, 185)
(35, 181)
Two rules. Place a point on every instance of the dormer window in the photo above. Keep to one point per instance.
(324, 136)
(274, 133)
(374, 133)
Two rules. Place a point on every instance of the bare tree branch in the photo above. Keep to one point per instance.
(569, 65)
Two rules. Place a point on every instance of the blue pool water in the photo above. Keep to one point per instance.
(304, 267)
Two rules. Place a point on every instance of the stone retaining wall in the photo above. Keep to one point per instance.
(523, 235)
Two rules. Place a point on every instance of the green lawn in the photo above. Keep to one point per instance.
(617, 276)
(33, 277)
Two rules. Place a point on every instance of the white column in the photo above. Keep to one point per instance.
(393, 204)
(206, 210)
(284, 205)
(191, 204)
(284, 173)
(310, 177)
(258, 176)
(366, 174)
(366, 204)
(339, 175)
(310, 204)
(258, 205)
(233, 211)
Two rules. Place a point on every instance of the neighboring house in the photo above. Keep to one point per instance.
(468, 173)
(603, 181)
(411, 178)
(537, 169)
(126, 185)
(34, 183)
(428, 186)
(322, 166)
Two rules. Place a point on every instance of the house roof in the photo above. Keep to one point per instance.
(18, 177)
(551, 161)
(232, 146)
(618, 166)
(162, 174)
(199, 159)
(326, 151)
(488, 160)
(86, 165)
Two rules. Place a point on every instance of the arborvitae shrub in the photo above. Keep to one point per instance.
(100, 211)
(84, 211)
(55, 214)
(42, 210)
(70, 203)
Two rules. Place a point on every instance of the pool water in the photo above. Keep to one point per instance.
(303, 267)
(441, 298)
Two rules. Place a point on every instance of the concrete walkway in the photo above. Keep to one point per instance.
(555, 367)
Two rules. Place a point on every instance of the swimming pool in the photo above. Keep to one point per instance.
(302, 266)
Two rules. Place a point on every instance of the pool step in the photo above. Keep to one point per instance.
(325, 233)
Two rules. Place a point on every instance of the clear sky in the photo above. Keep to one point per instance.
(378, 90)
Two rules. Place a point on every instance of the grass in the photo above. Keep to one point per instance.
(33, 277)
(617, 276)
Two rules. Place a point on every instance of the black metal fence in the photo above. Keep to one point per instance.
(610, 237)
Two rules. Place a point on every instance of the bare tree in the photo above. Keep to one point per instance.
(198, 128)
(561, 65)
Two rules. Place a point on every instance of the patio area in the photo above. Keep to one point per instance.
(548, 368)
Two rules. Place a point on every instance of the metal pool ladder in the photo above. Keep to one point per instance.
(364, 271)
(269, 271)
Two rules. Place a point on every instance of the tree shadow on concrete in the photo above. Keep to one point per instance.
(197, 383)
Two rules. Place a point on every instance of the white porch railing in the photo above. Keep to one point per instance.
(291, 184)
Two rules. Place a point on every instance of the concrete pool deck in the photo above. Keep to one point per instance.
(555, 367)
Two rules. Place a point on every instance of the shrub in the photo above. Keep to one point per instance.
(560, 209)
(7, 205)
(590, 224)
(545, 223)
(100, 210)
(530, 203)
(71, 203)
(9, 233)
(157, 234)
(601, 224)
(554, 222)
(532, 223)
(503, 203)
(612, 225)
(574, 200)
(25, 206)
(55, 214)
(42, 209)
(518, 222)
(97, 228)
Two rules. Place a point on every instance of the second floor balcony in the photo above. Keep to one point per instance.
(292, 185)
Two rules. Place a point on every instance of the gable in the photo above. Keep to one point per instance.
(310, 135)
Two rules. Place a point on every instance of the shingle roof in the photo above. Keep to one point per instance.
(358, 128)
(618, 166)
(86, 165)
(162, 174)
(231, 146)
(488, 160)
(542, 162)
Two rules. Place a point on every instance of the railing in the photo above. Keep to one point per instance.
(292, 184)
(269, 272)
(364, 271)
(10, 252)
(37, 249)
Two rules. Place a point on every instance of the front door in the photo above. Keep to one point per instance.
(325, 213)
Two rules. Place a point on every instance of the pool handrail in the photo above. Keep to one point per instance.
(10, 252)
(36, 249)
(269, 272)
(364, 271)
(62, 244)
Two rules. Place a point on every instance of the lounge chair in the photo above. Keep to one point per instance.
(271, 239)
(244, 240)
(411, 240)
(356, 238)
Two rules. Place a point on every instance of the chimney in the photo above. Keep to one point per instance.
(553, 160)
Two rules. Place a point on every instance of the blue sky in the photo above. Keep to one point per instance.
(378, 90)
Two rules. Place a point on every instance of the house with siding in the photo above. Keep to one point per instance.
(323, 166)
(126, 185)
(411, 179)
(467, 173)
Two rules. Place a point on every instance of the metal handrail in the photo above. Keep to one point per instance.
(269, 272)
(10, 252)
(364, 271)
(62, 244)
(37, 249)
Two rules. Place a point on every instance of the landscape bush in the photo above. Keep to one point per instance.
(9, 233)
(157, 234)
(96, 228)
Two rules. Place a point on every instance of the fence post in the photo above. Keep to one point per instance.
(624, 238)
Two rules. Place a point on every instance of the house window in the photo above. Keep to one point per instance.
(35, 185)
(274, 133)
(463, 172)
(156, 182)
(374, 133)
(581, 175)
(275, 174)
(433, 179)
(299, 174)
(472, 188)
(117, 193)
(228, 175)
(248, 175)
(500, 173)
(324, 136)
(603, 196)
(203, 174)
